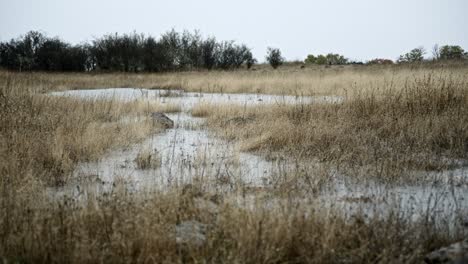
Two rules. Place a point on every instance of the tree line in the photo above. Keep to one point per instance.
(172, 51)
(446, 52)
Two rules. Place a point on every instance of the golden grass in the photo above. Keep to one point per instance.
(42, 138)
(50, 135)
(147, 159)
(422, 125)
(337, 80)
(204, 109)
(125, 228)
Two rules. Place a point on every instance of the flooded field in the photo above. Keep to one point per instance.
(185, 152)
(376, 174)
(189, 153)
(189, 99)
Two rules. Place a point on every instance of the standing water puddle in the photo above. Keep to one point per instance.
(190, 99)
(187, 153)
(182, 154)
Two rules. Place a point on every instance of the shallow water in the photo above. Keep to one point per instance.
(185, 153)
(441, 201)
(189, 99)
(190, 153)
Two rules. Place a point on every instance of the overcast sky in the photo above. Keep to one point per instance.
(359, 29)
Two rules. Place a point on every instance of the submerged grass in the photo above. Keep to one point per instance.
(402, 124)
(147, 159)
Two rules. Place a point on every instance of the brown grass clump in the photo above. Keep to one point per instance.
(147, 159)
(204, 109)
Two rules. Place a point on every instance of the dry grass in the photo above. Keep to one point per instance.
(381, 133)
(147, 159)
(42, 138)
(123, 228)
(205, 108)
(339, 80)
(49, 135)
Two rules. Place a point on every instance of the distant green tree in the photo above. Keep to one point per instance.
(330, 59)
(448, 52)
(155, 57)
(336, 59)
(232, 56)
(21, 53)
(208, 48)
(249, 60)
(51, 54)
(133, 52)
(311, 59)
(415, 55)
(321, 60)
(274, 57)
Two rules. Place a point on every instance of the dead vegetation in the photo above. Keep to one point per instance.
(148, 159)
(48, 135)
(381, 133)
(337, 80)
(385, 128)
(123, 228)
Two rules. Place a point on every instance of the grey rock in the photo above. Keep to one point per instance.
(162, 119)
(191, 233)
(456, 253)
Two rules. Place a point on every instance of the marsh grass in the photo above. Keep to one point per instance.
(148, 159)
(382, 133)
(342, 81)
(204, 109)
(123, 228)
(49, 135)
(42, 138)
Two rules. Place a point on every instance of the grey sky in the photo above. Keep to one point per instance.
(359, 29)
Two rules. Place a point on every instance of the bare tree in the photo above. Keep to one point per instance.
(435, 52)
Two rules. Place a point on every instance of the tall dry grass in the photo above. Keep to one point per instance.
(42, 138)
(123, 228)
(46, 134)
(381, 133)
(337, 80)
